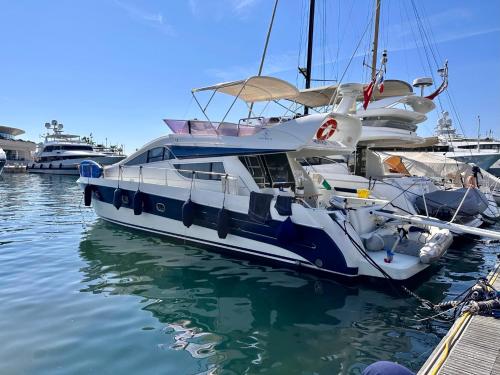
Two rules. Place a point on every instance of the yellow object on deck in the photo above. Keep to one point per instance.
(363, 193)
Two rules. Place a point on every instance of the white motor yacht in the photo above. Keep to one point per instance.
(483, 152)
(239, 188)
(62, 153)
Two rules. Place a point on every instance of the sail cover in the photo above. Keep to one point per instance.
(256, 89)
(322, 96)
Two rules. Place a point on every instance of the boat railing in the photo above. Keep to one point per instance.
(167, 176)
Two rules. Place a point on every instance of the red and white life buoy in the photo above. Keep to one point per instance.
(326, 130)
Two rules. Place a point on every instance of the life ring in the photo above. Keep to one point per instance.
(327, 129)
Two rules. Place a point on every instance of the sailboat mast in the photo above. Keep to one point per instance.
(375, 39)
(309, 49)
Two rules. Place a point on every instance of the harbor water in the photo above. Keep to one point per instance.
(79, 296)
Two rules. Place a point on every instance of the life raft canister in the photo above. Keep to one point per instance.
(327, 129)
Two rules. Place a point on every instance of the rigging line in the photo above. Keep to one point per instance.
(422, 37)
(301, 39)
(457, 116)
(334, 98)
(405, 57)
(323, 38)
(338, 42)
(431, 32)
(384, 24)
(414, 34)
(430, 45)
(366, 70)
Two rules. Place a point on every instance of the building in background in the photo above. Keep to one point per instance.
(18, 152)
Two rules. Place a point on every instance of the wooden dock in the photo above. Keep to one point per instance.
(472, 345)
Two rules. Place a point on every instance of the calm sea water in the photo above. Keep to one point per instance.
(79, 296)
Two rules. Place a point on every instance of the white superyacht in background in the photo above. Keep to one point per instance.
(238, 187)
(62, 153)
(483, 152)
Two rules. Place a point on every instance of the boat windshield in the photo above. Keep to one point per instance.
(243, 128)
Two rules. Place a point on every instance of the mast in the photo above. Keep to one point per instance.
(309, 49)
(375, 39)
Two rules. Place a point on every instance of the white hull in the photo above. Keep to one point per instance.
(403, 266)
(482, 160)
(69, 167)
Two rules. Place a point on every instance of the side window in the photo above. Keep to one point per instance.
(206, 171)
(168, 154)
(140, 159)
(155, 154)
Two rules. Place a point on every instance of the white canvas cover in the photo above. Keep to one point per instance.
(322, 96)
(256, 89)
(438, 166)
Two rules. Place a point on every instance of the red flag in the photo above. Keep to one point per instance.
(439, 90)
(367, 94)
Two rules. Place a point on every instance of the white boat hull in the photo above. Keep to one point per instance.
(69, 167)
(331, 251)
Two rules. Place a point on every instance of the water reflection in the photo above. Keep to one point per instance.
(79, 295)
(240, 316)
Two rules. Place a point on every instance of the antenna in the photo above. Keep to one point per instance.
(422, 83)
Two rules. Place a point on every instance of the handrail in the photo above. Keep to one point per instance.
(176, 170)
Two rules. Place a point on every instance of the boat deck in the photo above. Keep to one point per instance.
(472, 345)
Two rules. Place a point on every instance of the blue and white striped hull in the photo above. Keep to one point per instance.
(322, 245)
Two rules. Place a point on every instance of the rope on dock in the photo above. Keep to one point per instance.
(464, 320)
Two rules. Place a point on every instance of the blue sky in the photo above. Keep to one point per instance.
(116, 68)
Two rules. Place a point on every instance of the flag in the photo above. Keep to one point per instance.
(381, 83)
(367, 94)
(326, 185)
(439, 90)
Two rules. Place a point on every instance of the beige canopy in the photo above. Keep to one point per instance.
(256, 89)
(322, 96)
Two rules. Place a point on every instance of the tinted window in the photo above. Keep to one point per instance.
(279, 168)
(140, 159)
(155, 154)
(168, 154)
(204, 171)
(77, 148)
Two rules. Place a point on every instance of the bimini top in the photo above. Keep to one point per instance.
(256, 89)
(322, 96)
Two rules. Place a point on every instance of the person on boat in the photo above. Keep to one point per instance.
(473, 180)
